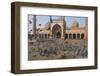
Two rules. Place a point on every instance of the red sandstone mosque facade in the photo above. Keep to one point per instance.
(56, 29)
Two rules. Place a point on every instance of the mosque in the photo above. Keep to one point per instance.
(56, 29)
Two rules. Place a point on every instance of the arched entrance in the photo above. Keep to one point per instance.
(56, 31)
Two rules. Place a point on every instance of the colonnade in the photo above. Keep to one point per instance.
(44, 36)
(74, 36)
(67, 36)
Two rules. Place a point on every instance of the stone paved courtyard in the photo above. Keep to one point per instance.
(49, 49)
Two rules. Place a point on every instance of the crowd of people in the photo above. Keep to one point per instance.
(48, 48)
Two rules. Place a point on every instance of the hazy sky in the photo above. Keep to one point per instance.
(44, 19)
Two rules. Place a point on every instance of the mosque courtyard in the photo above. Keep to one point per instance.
(49, 49)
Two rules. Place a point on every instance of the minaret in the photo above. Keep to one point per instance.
(86, 21)
(34, 26)
(64, 26)
(86, 27)
(64, 22)
(50, 19)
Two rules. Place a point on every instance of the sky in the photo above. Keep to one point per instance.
(40, 19)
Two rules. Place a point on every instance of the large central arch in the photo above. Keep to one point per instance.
(56, 31)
